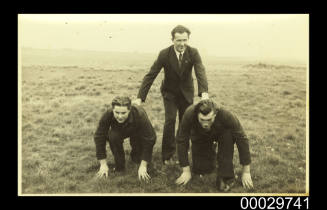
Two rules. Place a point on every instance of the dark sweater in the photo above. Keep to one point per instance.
(137, 124)
(224, 121)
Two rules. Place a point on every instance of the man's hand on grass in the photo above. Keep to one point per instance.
(142, 172)
(185, 176)
(247, 181)
(103, 171)
(246, 177)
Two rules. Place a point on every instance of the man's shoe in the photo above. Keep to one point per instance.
(119, 170)
(220, 184)
(224, 185)
(230, 182)
(169, 162)
(153, 172)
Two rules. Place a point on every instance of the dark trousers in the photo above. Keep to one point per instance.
(203, 154)
(172, 103)
(116, 140)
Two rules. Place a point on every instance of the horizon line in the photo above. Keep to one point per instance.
(152, 53)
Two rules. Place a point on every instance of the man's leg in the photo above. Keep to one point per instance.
(116, 145)
(203, 155)
(136, 151)
(168, 138)
(182, 105)
(225, 155)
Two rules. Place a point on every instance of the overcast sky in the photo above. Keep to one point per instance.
(259, 36)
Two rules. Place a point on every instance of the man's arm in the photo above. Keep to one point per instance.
(183, 136)
(239, 137)
(148, 138)
(200, 75)
(182, 140)
(242, 143)
(148, 135)
(101, 135)
(150, 77)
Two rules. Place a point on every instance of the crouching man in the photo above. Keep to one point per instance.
(205, 124)
(121, 121)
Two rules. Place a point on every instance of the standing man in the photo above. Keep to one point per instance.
(177, 88)
(121, 121)
(204, 124)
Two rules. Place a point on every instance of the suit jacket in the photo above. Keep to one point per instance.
(176, 79)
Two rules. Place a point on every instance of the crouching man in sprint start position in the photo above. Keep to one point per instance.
(121, 121)
(205, 123)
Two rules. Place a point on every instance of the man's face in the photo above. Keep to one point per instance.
(206, 121)
(180, 40)
(121, 113)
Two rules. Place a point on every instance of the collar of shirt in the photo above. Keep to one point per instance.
(177, 53)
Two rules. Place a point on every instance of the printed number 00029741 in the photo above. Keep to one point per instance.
(274, 203)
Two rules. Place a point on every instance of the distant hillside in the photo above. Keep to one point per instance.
(84, 58)
(69, 57)
(268, 66)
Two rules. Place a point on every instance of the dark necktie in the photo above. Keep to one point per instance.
(180, 60)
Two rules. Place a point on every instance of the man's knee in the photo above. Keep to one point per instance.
(203, 165)
(170, 121)
(136, 143)
(170, 113)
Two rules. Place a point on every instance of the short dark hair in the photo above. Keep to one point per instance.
(121, 101)
(205, 107)
(180, 29)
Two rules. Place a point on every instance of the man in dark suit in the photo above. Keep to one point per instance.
(177, 88)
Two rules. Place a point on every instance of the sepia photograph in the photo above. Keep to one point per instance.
(163, 104)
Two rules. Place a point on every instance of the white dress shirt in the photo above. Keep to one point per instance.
(177, 53)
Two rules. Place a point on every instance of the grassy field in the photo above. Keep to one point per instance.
(63, 101)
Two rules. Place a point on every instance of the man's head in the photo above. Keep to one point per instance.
(121, 106)
(180, 36)
(206, 113)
